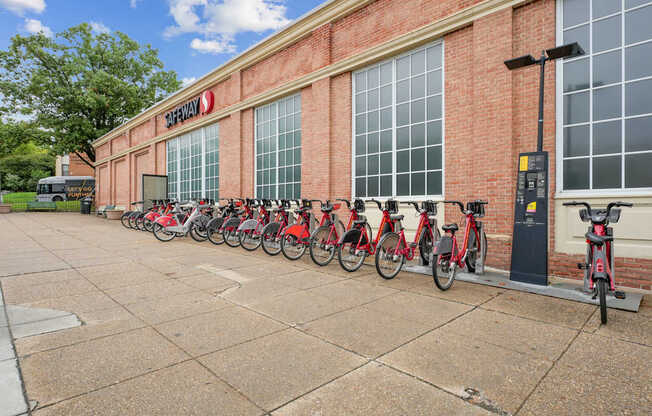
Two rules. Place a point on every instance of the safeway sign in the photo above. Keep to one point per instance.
(199, 105)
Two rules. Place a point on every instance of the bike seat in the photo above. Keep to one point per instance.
(598, 239)
(396, 217)
(450, 227)
(326, 208)
(359, 222)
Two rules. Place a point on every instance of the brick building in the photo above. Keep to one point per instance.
(411, 99)
(72, 165)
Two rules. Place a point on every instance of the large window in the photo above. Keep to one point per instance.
(398, 126)
(606, 95)
(193, 164)
(278, 149)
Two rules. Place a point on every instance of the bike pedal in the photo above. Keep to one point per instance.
(583, 266)
(619, 294)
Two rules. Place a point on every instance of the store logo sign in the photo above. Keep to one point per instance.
(196, 106)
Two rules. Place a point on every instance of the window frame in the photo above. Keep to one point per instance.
(559, 103)
(393, 59)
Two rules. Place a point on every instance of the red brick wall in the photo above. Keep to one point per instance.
(78, 167)
(490, 115)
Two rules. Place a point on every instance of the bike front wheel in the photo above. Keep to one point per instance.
(291, 247)
(231, 237)
(249, 240)
(271, 242)
(162, 234)
(321, 252)
(198, 233)
(476, 251)
(443, 271)
(426, 242)
(388, 259)
(124, 219)
(602, 294)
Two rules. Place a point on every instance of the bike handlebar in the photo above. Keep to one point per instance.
(380, 206)
(348, 203)
(609, 206)
(461, 205)
(413, 203)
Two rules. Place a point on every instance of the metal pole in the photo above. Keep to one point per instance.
(542, 63)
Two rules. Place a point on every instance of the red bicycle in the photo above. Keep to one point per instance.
(356, 244)
(448, 256)
(326, 237)
(250, 231)
(296, 238)
(230, 228)
(393, 249)
(273, 232)
(599, 260)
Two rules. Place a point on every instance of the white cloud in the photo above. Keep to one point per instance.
(214, 47)
(99, 27)
(21, 6)
(219, 21)
(133, 3)
(35, 26)
(187, 81)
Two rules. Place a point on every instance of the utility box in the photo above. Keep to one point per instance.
(530, 237)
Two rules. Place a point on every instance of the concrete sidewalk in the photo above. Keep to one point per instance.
(183, 328)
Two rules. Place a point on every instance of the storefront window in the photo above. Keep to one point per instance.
(193, 164)
(606, 115)
(398, 126)
(278, 149)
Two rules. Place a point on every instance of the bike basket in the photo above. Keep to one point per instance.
(614, 215)
(267, 203)
(337, 206)
(430, 207)
(391, 206)
(306, 203)
(476, 208)
(584, 215)
(444, 246)
(358, 205)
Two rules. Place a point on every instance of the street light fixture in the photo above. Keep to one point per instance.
(565, 51)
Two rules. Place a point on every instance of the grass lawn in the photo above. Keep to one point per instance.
(19, 197)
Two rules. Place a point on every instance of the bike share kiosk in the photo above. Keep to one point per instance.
(530, 237)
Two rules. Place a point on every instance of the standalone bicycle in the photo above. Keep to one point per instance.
(393, 249)
(325, 238)
(273, 232)
(448, 256)
(599, 260)
(358, 242)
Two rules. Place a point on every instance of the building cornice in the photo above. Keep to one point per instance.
(381, 51)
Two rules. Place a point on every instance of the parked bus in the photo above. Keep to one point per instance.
(64, 188)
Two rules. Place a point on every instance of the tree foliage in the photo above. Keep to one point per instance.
(21, 171)
(78, 86)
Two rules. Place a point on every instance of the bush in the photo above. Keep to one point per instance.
(21, 172)
(12, 182)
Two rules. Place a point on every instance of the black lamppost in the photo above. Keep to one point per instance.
(530, 239)
(565, 51)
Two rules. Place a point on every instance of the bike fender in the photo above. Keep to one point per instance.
(272, 228)
(215, 224)
(297, 230)
(352, 236)
(166, 221)
(248, 225)
(152, 216)
(232, 223)
(443, 246)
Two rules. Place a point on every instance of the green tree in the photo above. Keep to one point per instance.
(78, 86)
(20, 137)
(21, 172)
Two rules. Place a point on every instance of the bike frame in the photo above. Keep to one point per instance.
(329, 219)
(408, 250)
(600, 259)
(370, 246)
(301, 230)
(171, 224)
(458, 256)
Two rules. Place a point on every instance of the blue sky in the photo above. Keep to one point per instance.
(192, 36)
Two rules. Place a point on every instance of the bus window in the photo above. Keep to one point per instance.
(45, 188)
(57, 188)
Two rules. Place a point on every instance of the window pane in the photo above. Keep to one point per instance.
(419, 63)
(606, 34)
(360, 187)
(575, 12)
(638, 61)
(434, 183)
(386, 185)
(434, 107)
(403, 161)
(434, 82)
(386, 73)
(403, 184)
(605, 7)
(418, 135)
(360, 144)
(418, 184)
(372, 121)
(419, 159)
(402, 114)
(633, 3)
(360, 166)
(372, 186)
(372, 165)
(434, 157)
(419, 110)
(606, 68)
(373, 78)
(386, 118)
(385, 163)
(606, 172)
(403, 68)
(360, 123)
(386, 96)
(372, 143)
(385, 140)
(637, 170)
(638, 134)
(607, 103)
(637, 97)
(637, 25)
(434, 57)
(402, 91)
(403, 138)
(434, 132)
(576, 108)
(576, 174)
(360, 104)
(372, 99)
(418, 85)
(576, 75)
(360, 81)
(607, 138)
(579, 35)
